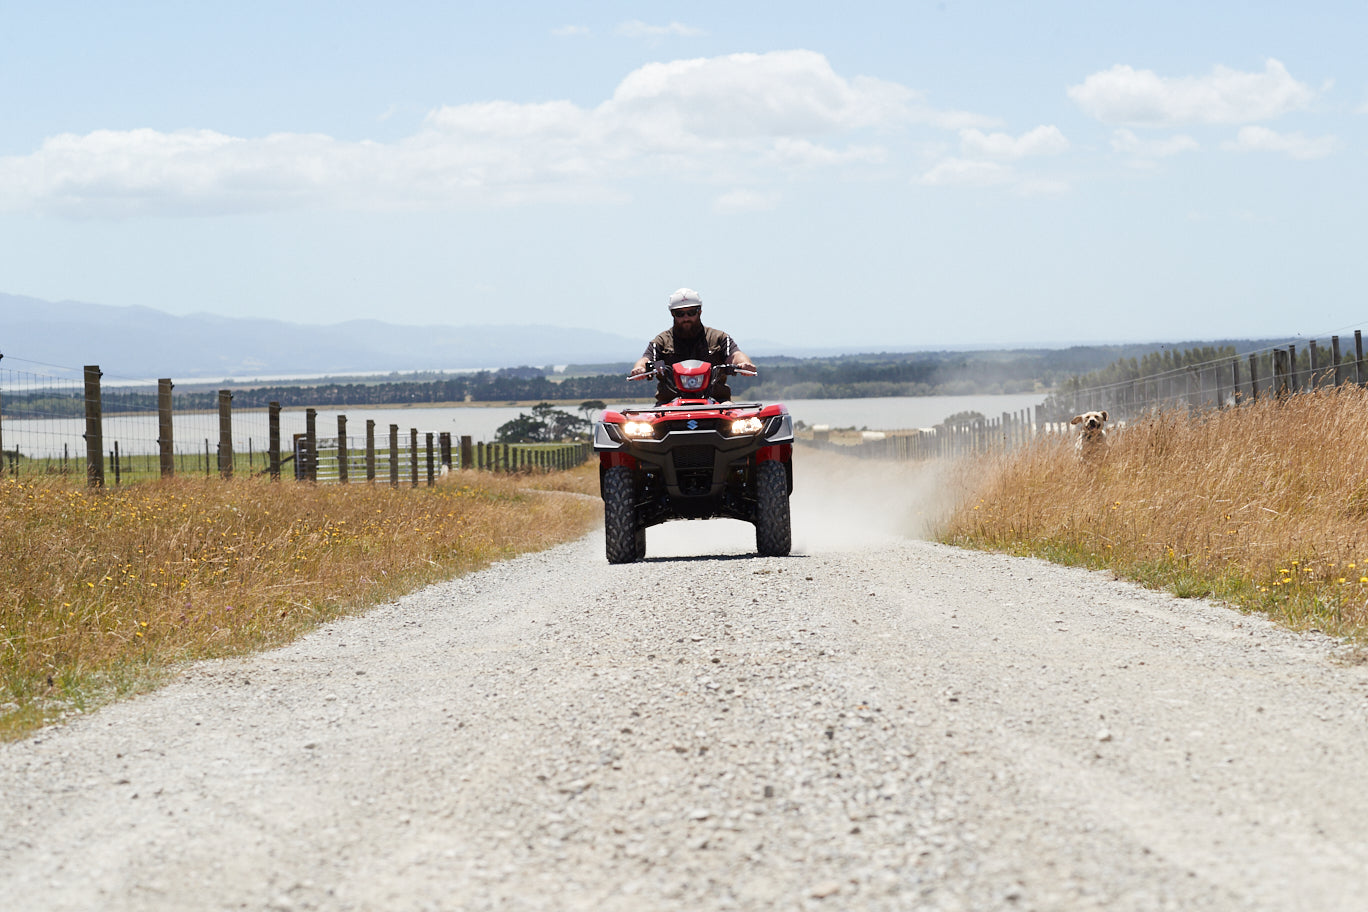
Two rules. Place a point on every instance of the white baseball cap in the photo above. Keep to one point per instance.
(685, 297)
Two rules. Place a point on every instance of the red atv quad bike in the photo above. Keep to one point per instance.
(694, 458)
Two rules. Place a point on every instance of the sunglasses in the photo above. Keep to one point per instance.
(688, 312)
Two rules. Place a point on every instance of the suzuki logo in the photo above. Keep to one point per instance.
(692, 425)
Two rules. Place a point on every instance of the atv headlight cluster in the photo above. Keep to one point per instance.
(751, 425)
(638, 429)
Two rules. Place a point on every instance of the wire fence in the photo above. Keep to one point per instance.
(1217, 382)
(1223, 381)
(41, 415)
(46, 423)
(58, 420)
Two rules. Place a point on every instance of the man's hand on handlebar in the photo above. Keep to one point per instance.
(643, 370)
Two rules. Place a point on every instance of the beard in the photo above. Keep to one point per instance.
(693, 333)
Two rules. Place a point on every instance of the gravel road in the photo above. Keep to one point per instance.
(874, 723)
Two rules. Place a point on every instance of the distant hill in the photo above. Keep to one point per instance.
(139, 342)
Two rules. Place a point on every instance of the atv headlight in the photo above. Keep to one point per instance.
(638, 429)
(750, 425)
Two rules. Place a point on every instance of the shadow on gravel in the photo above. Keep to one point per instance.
(687, 558)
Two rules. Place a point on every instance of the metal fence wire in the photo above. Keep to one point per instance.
(42, 417)
(69, 421)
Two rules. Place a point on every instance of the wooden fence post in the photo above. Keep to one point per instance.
(1292, 380)
(1335, 353)
(444, 449)
(431, 461)
(394, 455)
(341, 449)
(1281, 387)
(225, 444)
(466, 452)
(1315, 380)
(165, 445)
(273, 425)
(1359, 375)
(1253, 377)
(94, 432)
(310, 453)
(413, 456)
(370, 450)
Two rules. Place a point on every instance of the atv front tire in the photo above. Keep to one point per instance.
(623, 541)
(773, 536)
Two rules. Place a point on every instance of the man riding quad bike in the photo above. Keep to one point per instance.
(694, 457)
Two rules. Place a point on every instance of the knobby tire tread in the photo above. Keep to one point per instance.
(619, 517)
(773, 532)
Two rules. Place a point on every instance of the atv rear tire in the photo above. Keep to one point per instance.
(623, 541)
(773, 536)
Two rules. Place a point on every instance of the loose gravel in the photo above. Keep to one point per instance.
(884, 724)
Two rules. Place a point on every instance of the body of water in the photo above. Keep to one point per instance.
(902, 412)
(138, 434)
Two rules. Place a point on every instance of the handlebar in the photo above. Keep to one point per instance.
(658, 369)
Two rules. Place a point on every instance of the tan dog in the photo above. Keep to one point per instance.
(1092, 437)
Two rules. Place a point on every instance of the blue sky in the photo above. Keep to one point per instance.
(889, 176)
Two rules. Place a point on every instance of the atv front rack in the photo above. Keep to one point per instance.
(697, 407)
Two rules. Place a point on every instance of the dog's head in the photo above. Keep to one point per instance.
(1091, 421)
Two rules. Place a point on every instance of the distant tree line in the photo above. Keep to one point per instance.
(1151, 365)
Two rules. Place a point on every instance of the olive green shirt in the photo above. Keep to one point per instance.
(711, 345)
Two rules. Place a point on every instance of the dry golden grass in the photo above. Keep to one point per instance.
(101, 592)
(1265, 506)
(583, 479)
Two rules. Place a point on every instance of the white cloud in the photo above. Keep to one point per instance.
(638, 29)
(781, 93)
(712, 119)
(1126, 95)
(986, 161)
(1044, 140)
(968, 173)
(802, 153)
(1294, 145)
(1042, 186)
(571, 31)
(1127, 143)
(740, 201)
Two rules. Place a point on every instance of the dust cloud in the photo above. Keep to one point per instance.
(839, 503)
